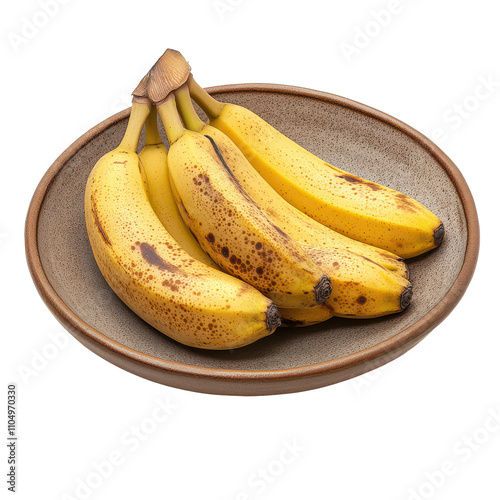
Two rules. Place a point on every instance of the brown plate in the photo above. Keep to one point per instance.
(351, 136)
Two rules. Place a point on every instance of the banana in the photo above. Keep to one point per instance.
(361, 288)
(363, 210)
(230, 226)
(153, 158)
(181, 297)
(299, 226)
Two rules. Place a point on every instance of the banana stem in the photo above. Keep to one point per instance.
(171, 119)
(138, 115)
(185, 105)
(152, 134)
(206, 102)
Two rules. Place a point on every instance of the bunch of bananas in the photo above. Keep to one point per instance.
(235, 229)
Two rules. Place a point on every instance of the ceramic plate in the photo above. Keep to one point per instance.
(347, 134)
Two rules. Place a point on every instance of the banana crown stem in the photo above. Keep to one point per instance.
(138, 115)
(152, 134)
(206, 102)
(171, 119)
(188, 113)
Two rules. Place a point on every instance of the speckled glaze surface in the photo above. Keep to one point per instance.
(347, 134)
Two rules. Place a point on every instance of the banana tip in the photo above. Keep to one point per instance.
(439, 234)
(406, 296)
(273, 318)
(323, 289)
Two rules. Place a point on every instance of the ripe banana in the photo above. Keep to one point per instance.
(230, 226)
(360, 209)
(361, 288)
(153, 158)
(299, 226)
(181, 297)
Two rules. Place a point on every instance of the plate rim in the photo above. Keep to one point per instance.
(234, 381)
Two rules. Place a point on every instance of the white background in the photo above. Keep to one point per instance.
(381, 436)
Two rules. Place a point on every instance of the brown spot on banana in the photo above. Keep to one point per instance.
(279, 230)
(350, 178)
(229, 171)
(170, 285)
(93, 208)
(149, 254)
(406, 203)
(356, 180)
(372, 262)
